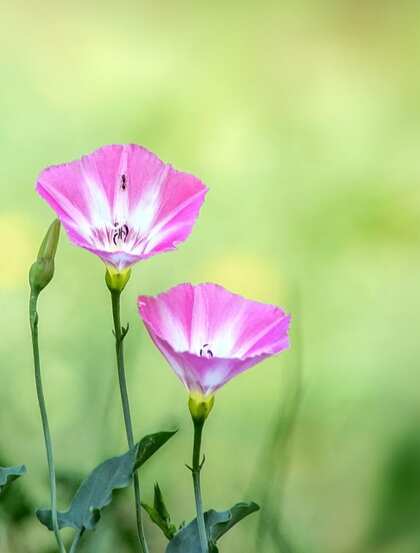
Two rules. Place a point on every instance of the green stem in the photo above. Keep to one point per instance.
(33, 317)
(76, 540)
(196, 470)
(119, 347)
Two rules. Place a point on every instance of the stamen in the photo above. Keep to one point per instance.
(123, 182)
(124, 232)
(206, 351)
(120, 233)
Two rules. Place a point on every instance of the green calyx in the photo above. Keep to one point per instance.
(42, 271)
(116, 280)
(200, 406)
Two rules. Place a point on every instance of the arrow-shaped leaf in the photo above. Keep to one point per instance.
(8, 474)
(217, 523)
(237, 513)
(150, 444)
(95, 492)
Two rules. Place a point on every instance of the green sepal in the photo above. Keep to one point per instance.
(217, 524)
(96, 490)
(200, 406)
(42, 271)
(159, 514)
(117, 280)
(8, 474)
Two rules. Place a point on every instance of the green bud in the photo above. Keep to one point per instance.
(200, 406)
(115, 280)
(42, 270)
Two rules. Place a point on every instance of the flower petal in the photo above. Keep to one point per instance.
(123, 203)
(209, 335)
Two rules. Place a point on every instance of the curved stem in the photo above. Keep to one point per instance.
(33, 317)
(196, 470)
(76, 540)
(119, 338)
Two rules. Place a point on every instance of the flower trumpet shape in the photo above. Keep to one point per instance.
(123, 203)
(209, 335)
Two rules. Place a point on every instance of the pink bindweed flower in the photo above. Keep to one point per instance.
(123, 203)
(209, 335)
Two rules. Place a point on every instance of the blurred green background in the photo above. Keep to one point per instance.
(303, 119)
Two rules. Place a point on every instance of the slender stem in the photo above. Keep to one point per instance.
(33, 317)
(76, 540)
(196, 470)
(119, 347)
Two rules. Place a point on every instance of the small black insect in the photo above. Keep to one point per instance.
(120, 233)
(206, 351)
(123, 182)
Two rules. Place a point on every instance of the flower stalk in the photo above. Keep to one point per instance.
(76, 541)
(33, 317)
(200, 407)
(197, 465)
(41, 273)
(120, 333)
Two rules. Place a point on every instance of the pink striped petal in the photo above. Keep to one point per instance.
(123, 203)
(209, 335)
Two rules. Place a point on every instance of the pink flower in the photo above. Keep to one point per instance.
(209, 335)
(123, 203)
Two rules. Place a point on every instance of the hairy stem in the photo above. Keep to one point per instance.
(33, 317)
(196, 470)
(119, 347)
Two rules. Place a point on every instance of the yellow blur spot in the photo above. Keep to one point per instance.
(248, 274)
(19, 250)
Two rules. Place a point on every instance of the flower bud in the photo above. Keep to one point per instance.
(42, 270)
(116, 280)
(200, 406)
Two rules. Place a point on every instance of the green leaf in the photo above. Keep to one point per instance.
(8, 474)
(187, 540)
(237, 513)
(150, 444)
(159, 504)
(217, 524)
(95, 492)
(159, 514)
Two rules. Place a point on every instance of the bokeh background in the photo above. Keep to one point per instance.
(303, 119)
